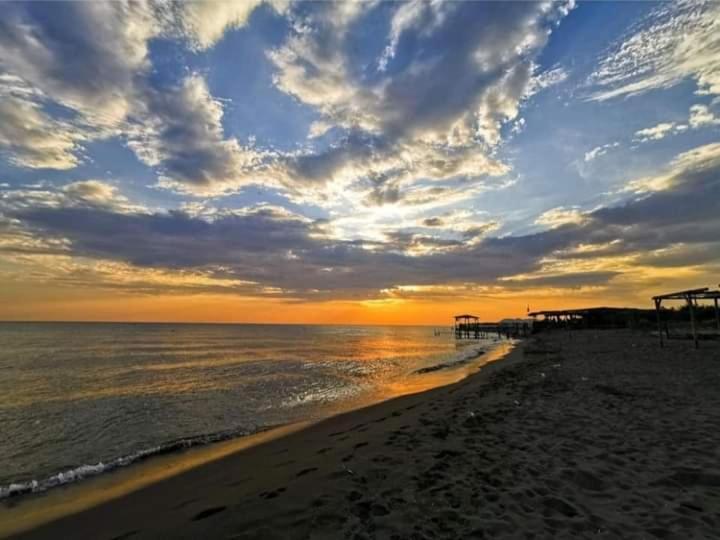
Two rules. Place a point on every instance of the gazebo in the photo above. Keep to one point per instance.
(465, 325)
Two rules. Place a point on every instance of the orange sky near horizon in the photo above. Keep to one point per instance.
(46, 300)
(206, 308)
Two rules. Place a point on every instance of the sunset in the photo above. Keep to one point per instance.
(231, 226)
(353, 162)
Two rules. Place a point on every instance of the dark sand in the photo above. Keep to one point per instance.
(588, 435)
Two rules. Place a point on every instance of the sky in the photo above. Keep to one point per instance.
(357, 162)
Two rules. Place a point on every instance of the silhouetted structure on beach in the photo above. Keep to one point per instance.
(691, 297)
(469, 327)
(703, 322)
(596, 317)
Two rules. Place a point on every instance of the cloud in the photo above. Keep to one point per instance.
(203, 23)
(572, 280)
(318, 129)
(182, 136)
(676, 41)
(92, 58)
(409, 129)
(702, 116)
(422, 16)
(361, 157)
(548, 78)
(600, 151)
(81, 193)
(680, 256)
(401, 121)
(655, 133)
(83, 55)
(265, 245)
(396, 128)
(557, 217)
(94, 192)
(34, 140)
(433, 222)
(678, 195)
(300, 258)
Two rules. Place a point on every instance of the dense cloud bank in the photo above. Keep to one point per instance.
(274, 248)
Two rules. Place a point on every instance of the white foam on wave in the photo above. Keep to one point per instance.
(87, 470)
(64, 477)
(322, 395)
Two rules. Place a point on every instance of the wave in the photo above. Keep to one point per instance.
(323, 395)
(68, 476)
(463, 356)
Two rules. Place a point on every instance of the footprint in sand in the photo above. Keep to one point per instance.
(306, 471)
(126, 535)
(272, 494)
(208, 512)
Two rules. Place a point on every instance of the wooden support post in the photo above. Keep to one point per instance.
(568, 327)
(692, 319)
(658, 303)
(717, 314)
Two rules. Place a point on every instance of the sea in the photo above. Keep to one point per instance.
(82, 399)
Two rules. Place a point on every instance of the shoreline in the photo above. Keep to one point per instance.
(27, 511)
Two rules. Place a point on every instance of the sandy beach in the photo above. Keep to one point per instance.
(589, 434)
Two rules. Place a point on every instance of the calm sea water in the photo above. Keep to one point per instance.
(79, 399)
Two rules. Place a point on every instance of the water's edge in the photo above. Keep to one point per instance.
(25, 512)
(17, 491)
(88, 470)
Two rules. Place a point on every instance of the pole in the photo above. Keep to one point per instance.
(692, 319)
(717, 314)
(658, 302)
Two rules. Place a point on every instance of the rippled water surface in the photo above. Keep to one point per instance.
(77, 398)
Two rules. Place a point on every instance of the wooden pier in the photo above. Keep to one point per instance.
(469, 327)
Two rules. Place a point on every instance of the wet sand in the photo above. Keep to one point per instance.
(583, 435)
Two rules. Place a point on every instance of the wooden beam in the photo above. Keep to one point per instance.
(679, 295)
